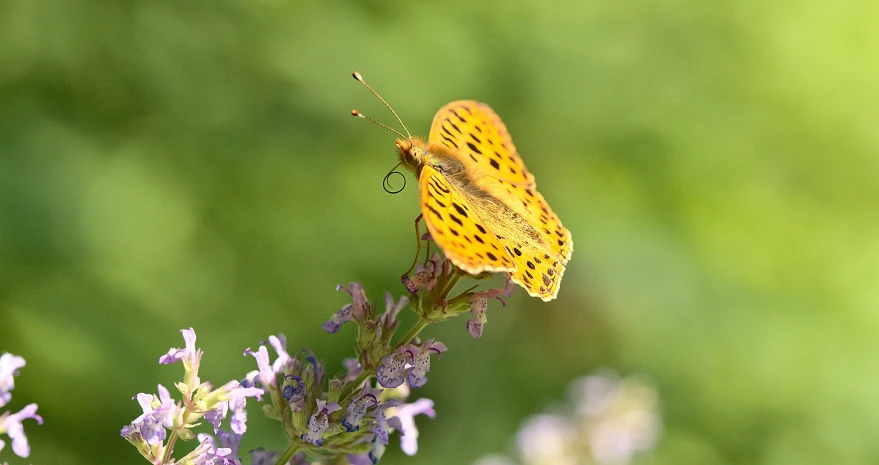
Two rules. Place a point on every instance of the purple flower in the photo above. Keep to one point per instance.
(319, 423)
(421, 361)
(207, 453)
(391, 372)
(11, 425)
(479, 305)
(410, 363)
(191, 357)
(406, 415)
(284, 362)
(265, 375)
(360, 308)
(357, 408)
(9, 365)
(231, 396)
(427, 274)
(382, 424)
(294, 391)
(158, 413)
(352, 368)
(388, 319)
(261, 456)
(342, 316)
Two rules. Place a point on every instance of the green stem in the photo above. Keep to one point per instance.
(169, 447)
(287, 453)
(408, 337)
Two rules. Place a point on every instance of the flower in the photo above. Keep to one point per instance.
(406, 416)
(387, 322)
(410, 363)
(207, 452)
(10, 424)
(231, 396)
(427, 273)
(158, 413)
(319, 423)
(361, 310)
(191, 357)
(352, 369)
(479, 306)
(9, 365)
(608, 421)
(356, 410)
(416, 377)
(391, 372)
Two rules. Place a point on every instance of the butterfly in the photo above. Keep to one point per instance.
(480, 203)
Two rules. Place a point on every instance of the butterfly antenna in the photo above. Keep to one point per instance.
(359, 78)
(361, 115)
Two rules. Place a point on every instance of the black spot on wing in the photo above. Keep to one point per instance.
(530, 265)
(456, 219)
(449, 141)
(480, 228)
(473, 148)
(494, 164)
(491, 256)
(479, 239)
(517, 251)
(476, 139)
(435, 212)
(461, 211)
(454, 126)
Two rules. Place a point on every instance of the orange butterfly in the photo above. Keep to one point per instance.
(479, 201)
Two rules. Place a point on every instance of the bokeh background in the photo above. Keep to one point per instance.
(167, 164)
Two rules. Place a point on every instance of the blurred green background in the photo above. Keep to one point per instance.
(166, 164)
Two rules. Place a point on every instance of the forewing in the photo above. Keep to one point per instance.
(481, 140)
(457, 229)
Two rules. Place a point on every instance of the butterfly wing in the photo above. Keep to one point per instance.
(479, 136)
(541, 255)
(457, 229)
(514, 215)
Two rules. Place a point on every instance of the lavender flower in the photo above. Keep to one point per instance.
(613, 420)
(200, 400)
(356, 410)
(479, 306)
(319, 423)
(406, 417)
(10, 424)
(427, 274)
(416, 377)
(392, 371)
(9, 365)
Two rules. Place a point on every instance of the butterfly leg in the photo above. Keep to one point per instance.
(418, 250)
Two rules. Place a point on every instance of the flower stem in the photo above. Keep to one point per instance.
(287, 453)
(408, 337)
(169, 447)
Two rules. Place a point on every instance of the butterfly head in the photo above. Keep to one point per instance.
(411, 152)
